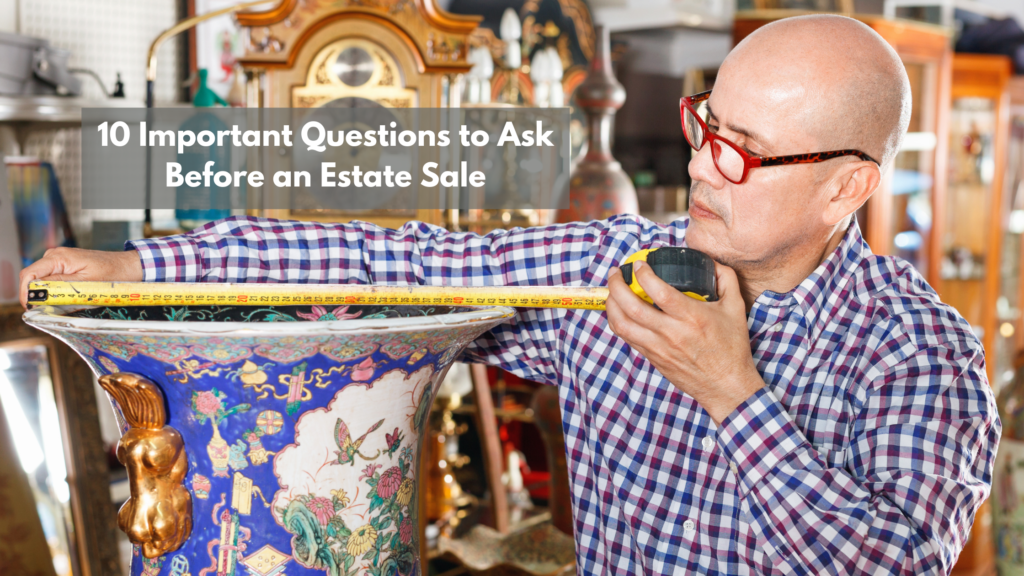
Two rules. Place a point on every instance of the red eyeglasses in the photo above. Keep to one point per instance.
(732, 162)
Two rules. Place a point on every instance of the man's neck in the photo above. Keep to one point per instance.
(788, 269)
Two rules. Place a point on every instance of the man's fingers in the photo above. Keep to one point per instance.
(39, 269)
(627, 327)
(728, 285)
(631, 304)
(670, 300)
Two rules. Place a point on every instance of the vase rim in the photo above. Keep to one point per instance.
(56, 318)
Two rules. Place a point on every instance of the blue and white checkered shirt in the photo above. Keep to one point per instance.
(868, 452)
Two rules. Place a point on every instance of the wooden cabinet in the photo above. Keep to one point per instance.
(974, 220)
(1009, 335)
(973, 230)
(902, 216)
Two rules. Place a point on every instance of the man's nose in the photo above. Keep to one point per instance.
(702, 167)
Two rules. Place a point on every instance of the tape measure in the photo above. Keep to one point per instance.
(689, 271)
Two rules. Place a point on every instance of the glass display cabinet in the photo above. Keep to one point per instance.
(1009, 335)
(900, 218)
(974, 217)
(973, 230)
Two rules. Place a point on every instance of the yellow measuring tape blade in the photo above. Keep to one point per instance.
(44, 292)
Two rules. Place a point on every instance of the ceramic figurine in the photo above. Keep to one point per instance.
(298, 441)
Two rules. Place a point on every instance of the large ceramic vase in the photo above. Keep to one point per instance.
(265, 441)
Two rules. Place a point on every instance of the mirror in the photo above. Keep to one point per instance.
(30, 409)
(58, 518)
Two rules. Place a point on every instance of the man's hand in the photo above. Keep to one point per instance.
(703, 348)
(84, 265)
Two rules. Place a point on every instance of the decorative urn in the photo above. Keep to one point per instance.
(598, 186)
(272, 440)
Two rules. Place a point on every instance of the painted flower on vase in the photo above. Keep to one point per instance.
(369, 471)
(389, 483)
(209, 405)
(405, 531)
(320, 314)
(341, 499)
(322, 508)
(362, 540)
(404, 495)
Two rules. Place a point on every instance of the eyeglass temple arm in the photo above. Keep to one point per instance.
(809, 158)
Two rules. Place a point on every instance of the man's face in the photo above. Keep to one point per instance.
(756, 223)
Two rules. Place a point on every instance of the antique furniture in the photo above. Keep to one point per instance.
(57, 420)
(974, 227)
(270, 437)
(973, 224)
(548, 417)
(390, 53)
(1009, 339)
(904, 216)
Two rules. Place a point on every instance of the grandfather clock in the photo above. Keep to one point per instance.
(355, 53)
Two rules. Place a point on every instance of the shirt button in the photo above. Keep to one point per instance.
(708, 442)
(689, 526)
(732, 466)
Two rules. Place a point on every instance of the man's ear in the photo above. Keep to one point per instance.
(850, 188)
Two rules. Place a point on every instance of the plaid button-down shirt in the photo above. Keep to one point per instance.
(868, 451)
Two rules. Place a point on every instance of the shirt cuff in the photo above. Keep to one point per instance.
(757, 436)
(169, 259)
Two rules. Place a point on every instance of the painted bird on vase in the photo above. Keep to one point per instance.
(350, 448)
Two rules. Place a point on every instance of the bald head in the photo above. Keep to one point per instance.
(833, 76)
(796, 86)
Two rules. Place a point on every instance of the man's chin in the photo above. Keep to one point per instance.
(697, 236)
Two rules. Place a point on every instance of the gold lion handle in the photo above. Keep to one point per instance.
(158, 515)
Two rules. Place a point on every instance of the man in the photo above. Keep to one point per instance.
(829, 415)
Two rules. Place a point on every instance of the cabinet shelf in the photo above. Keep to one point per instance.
(57, 109)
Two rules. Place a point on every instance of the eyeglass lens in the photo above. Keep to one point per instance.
(727, 159)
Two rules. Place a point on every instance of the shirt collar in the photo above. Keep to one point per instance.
(826, 284)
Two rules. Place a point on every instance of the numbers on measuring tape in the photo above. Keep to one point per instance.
(64, 293)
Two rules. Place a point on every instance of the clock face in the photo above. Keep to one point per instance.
(354, 69)
(354, 66)
(343, 115)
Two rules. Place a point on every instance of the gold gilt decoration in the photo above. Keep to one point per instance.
(387, 76)
(278, 33)
(309, 101)
(158, 515)
(575, 10)
(382, 85)
(321, 73)
(396, 102)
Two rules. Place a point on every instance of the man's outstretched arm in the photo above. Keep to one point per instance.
(244, 249)
(241, 249)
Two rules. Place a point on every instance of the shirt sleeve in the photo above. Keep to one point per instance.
(916, 470)
(244, 249)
